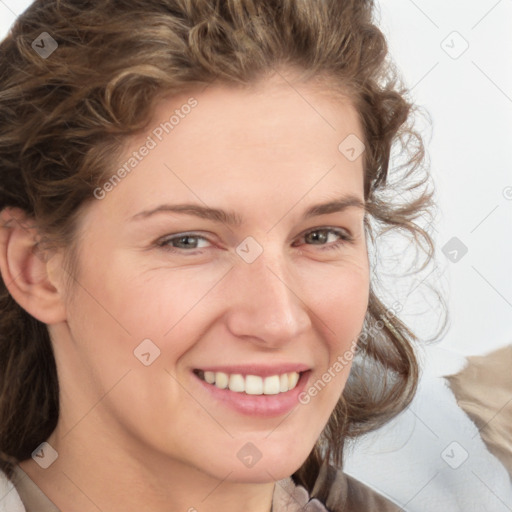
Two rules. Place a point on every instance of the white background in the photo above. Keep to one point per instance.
(469, 98)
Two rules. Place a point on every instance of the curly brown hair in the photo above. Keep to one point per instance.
(65, 118)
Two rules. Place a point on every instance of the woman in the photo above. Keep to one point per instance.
(190, 192)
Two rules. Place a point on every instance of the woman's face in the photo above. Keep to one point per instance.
(262, 278)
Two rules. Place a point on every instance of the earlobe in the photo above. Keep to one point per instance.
(25, 271)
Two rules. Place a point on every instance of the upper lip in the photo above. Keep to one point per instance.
(257, 369)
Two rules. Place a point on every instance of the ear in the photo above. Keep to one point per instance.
(32, 279)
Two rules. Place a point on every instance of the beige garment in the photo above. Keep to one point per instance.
(32, 497)
(483, 389)
(345, 495)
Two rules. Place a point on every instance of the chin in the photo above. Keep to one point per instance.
(266, 471)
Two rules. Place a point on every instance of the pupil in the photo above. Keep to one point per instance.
(318, 236)
(183, 241)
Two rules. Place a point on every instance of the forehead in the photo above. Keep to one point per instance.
(273, 139)
(273, 111)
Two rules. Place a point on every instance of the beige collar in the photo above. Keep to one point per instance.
(289, 497)
(32, 497)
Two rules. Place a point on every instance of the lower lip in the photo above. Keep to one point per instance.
(263, 406)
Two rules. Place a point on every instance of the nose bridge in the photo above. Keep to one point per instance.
(265, 305)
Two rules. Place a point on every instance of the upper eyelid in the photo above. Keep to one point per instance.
(325, 228)
(192, 234)
(335, 229)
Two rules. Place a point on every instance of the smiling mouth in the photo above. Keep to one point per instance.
(251, 384)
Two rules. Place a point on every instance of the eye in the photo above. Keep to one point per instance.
(192, 243)
(183, 242)
(330, 238)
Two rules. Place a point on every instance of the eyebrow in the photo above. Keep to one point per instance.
(234, 219)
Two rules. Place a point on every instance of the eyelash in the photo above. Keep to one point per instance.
(344, 238)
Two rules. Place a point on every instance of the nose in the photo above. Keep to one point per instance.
(266, 303)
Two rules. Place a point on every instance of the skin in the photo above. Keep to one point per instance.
(267, 154)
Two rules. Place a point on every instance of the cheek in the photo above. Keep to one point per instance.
(342, 305)
(128, 305)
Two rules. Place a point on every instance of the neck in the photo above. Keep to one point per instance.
(94, 472)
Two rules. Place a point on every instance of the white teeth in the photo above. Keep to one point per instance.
(221, 380)
(253, 384)
(236, 383)
(283, 383)
(271, 385)
(293, 378)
